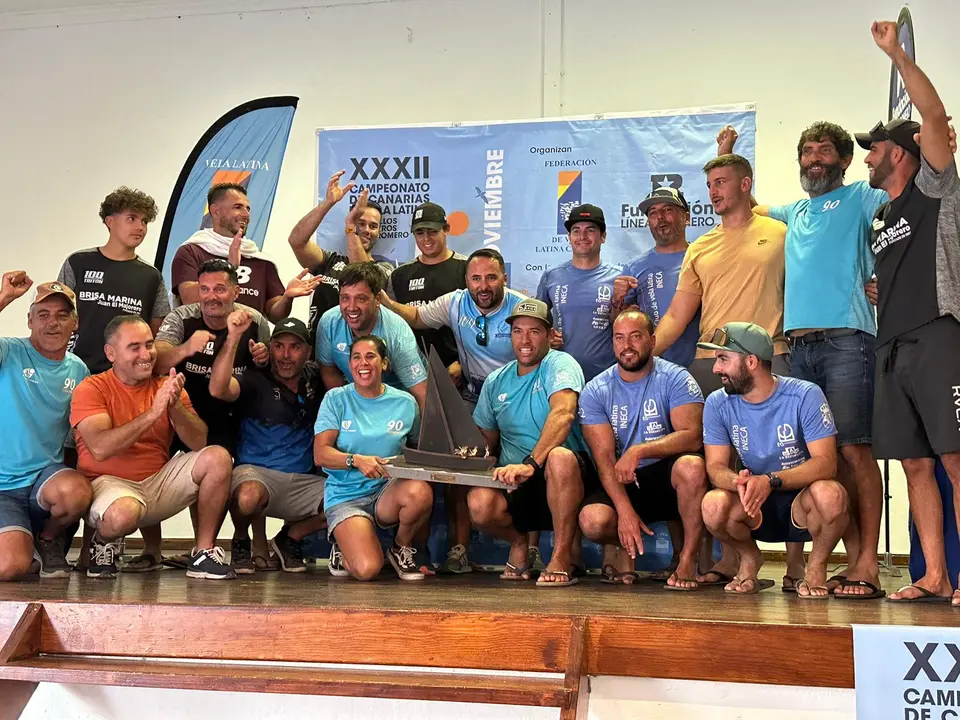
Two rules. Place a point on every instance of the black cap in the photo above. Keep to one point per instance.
(291, 326)
(897, 131)
(669, 195)
(428, 215)
(586, 213)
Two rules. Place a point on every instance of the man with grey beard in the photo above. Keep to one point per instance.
(650, 282)
(831, 325)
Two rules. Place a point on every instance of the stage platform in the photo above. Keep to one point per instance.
(100, 631)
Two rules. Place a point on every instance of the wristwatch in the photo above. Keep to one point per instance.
(528, 460)
(349, 461)
(776, 482)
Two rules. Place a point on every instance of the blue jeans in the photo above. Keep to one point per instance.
(843, 367)
(20, 509)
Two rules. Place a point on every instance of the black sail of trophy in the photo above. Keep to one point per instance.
(449, 438)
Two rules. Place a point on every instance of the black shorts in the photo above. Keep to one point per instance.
(655, 500)
(528, 506)
(776, 523)
(916, 409)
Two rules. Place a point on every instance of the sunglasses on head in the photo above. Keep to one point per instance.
(721, 338)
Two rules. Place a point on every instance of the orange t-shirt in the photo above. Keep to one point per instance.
(105, 394)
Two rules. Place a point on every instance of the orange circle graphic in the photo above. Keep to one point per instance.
(458, 222)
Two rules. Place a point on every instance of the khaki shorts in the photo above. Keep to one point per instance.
(292, 496)
(163, 494)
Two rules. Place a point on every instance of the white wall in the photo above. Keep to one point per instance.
(91, 98)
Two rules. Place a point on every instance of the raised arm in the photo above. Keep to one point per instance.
(223, 385)
(14, 284)
(308, 254)
(935, 135)
(355, 249)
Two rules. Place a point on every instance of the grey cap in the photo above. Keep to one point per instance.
(533, 308)
(741, 337)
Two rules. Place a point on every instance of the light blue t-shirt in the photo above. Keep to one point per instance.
(580, 303)
(458, 311)
(35, 396)
(828, 258)
(658, 274)
(638, 411)
(366, 426)
(771, 435)
(334, 339)
(518, 406)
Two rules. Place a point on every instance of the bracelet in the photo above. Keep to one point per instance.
(351, 229)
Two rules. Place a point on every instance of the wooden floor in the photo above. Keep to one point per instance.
(472, 621)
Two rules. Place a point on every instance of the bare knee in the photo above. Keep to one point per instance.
(67, 495)
(561, 466)
(417, 495)
(249, 497)
(830, 499)
(716, 507)
(917, 467)
(598, 522)
(689, 473)
(121, 518)
(366, 567)
(482, 503)
(14, 565)
(213, 465)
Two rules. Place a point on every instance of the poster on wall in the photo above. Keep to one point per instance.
(511, 185)
(899, 104)
(245, 146)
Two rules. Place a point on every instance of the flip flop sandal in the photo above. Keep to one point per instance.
(677, 588)
(810, 589)
(571, 579)
(835, 579)
(874, 594)
(792, 588)
(147, 562)
(516, 573)
(181, 562)
(663, 575)
(925, 597)
(758, 585)
(266, 564)
(723, 579)
(610, 576)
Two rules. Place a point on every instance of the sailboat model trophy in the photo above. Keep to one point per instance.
(451, 448)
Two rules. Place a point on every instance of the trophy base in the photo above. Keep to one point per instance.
(477, 478)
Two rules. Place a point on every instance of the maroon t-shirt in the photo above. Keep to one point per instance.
(259, 279)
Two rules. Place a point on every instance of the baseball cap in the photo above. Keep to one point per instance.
(741, 337)
(586, 213)
(428, 215)
(45, 290)
(897, 131)
(532, 308)
(669, 195)
(291, 326)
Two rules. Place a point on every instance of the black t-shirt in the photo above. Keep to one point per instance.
(416, 283)
(904, 245)
(327, 294)
(106, 288)
(222, 422)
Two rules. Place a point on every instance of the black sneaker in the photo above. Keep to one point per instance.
(210, 564)
(50, 555)
(241, 557)
(403, 561)
(289, 551)
(335, 566)
(103, 558)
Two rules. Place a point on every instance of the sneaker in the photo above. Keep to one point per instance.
(402, 559)
(457, 562)
(289, 551)
(335, 566)
(210, 564)
(103, 558)
(50, 555)
(241, 557)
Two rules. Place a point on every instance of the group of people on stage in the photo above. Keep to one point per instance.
(740, 387)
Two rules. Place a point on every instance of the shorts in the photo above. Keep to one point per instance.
(702, 371)
(777, 524)
(21, 509)
(844, 369)
(528, 506)
(915, 411)
(292, 496)
(655, 500)
(365, 506)
(163, 494)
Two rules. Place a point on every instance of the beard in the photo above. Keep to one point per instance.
(881, 171)
(832, 176)
(641, 361)
(738, 384)
(667, 235)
